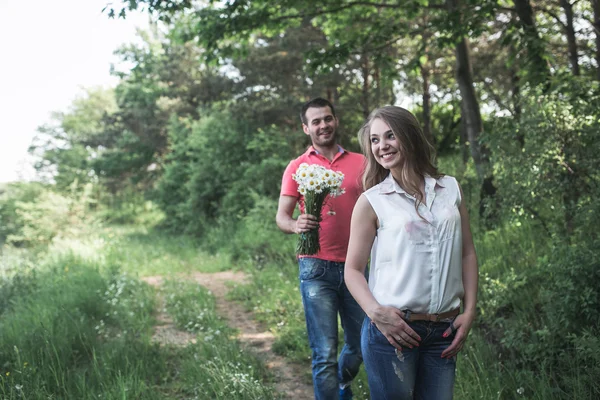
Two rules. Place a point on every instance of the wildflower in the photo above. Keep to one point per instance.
(521, 390)
(19, 387)
(315, 184)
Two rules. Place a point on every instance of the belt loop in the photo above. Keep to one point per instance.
(407, 315)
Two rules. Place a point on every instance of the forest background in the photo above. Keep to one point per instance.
(186, 155)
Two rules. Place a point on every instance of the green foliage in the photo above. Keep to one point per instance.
(68, 147)
(254, 238)
(215, 367)
(74, 326)
(553, 175)
(11, 195)
(73, 333)
(192, 308)
(33, 214)
(213, 166)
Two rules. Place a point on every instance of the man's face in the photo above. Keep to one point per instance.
(322, 126)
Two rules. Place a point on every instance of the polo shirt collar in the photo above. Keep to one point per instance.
(311, 149)
(389, 185)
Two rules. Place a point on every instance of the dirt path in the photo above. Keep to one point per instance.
(290, 379)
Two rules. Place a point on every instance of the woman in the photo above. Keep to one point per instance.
(413, 223)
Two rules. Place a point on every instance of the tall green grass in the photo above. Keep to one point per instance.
(64, 333)
(215, 366)
(77, 324)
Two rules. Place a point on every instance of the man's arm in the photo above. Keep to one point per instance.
(286, 223)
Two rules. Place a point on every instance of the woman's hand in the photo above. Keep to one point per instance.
(389, 321)
(461, 325)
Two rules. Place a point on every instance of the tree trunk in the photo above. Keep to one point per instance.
(535, 47)
(596, 7)
(365, 86)
(377, 84)
(471, 115)
(426, 105)
(425, 73)
(473, 125)
(571, 40)
(470, 112)
(516, 100)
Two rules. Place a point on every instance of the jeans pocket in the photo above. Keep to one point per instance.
(376, 337)
(311, 268)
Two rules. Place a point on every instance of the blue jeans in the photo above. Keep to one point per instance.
(324, 295)
(418, 373)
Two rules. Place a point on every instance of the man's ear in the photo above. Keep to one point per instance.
(305, 129)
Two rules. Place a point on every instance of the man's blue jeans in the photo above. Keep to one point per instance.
(324, 295)
(418, 373)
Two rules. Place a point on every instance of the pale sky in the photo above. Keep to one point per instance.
(49, 50)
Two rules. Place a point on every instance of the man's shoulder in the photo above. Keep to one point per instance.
(353, 154)
(302, 157)
(295, 163)
(352, 161)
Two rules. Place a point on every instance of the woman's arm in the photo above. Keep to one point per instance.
(363, 229)
(388, 320)
(470, 277)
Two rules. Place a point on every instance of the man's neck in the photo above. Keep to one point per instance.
(328, 152)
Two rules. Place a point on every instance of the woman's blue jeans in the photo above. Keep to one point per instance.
(418, 373)
(324, 295)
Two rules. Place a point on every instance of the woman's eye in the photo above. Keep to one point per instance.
(374, 140)
(390, 135)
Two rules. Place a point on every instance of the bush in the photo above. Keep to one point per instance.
(33, 214)
(213, 166)
(257, 238)
(545, 162)
(11, 195)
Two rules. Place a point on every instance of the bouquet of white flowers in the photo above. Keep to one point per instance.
(315, 183)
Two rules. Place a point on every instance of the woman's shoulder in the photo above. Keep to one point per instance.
(447, 180)
(373, 190)
(451, 187)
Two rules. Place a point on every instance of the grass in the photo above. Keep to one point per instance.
(76, 323)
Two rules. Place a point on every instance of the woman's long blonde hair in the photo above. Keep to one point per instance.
(418, 154)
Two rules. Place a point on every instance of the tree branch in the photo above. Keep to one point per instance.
(553, 15)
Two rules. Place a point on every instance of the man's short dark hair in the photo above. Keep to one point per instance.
(317, 102)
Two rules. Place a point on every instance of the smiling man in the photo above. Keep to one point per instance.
(324, 293)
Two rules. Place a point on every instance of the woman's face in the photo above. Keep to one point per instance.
(384, 145)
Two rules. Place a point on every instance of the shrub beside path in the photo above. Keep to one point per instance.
(290, 379)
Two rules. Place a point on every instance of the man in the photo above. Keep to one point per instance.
(324, 293)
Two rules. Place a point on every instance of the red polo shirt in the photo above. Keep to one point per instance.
(337, 211)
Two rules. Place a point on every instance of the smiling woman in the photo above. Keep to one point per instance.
(60, 47)
(422, 265)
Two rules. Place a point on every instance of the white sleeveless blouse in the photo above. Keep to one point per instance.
(415, 264)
